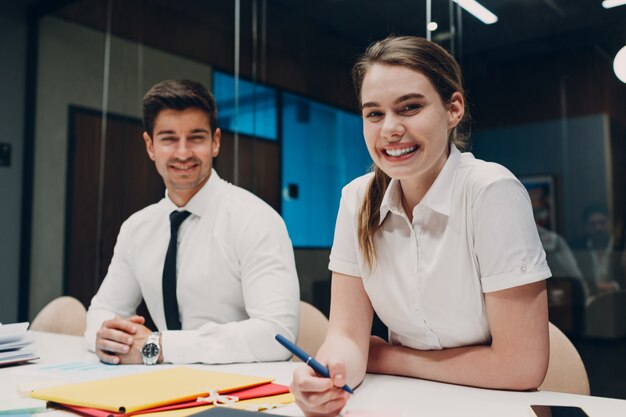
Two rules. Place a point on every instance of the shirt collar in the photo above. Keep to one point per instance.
(201, 200)
(438, 198)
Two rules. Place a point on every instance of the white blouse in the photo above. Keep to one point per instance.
(473, 232)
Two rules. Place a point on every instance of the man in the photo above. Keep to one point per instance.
(219, 282)
(601, 255)
(559, 255)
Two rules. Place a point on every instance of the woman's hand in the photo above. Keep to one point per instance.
(318, 396)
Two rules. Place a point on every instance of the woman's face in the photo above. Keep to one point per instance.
(405, 123)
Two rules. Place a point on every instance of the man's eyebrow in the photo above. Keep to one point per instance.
(171, 132)
(164, 132)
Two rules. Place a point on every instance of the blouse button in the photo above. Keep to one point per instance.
(523, 268)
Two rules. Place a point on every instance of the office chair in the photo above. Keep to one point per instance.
(566, 370)
(64, 315)
(605, 316)
(313, 328)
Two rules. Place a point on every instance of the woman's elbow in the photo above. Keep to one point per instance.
(528, 375)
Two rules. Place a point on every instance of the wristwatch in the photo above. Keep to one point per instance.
(151, 349)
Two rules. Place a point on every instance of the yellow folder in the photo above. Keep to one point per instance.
(126, 394)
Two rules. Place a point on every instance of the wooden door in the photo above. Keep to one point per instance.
(130, 182)
(259, 166)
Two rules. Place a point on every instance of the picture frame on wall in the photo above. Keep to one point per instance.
(542, 192)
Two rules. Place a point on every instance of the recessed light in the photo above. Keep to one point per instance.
(432, 26)
(607, 4)
(478, 10)
(619, 64)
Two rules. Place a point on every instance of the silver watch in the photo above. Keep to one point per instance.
(151, 349)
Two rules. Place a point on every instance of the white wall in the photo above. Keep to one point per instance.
(71, 68)
(12, 84)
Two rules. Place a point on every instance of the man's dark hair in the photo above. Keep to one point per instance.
(593, 209)
(177, 95)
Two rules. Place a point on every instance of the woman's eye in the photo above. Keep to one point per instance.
(410, 108)
(373, 114)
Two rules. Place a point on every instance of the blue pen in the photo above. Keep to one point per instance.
(306, 358)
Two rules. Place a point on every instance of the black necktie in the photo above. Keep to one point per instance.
(170, 303)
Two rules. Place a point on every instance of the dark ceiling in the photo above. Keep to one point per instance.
(525, 27)
(520, 22)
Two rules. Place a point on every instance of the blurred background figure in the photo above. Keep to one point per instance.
(600, 253)
(560, 257)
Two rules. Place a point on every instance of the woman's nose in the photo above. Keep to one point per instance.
(393, 129)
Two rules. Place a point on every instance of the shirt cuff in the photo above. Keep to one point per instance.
(344, 267)
(180, 346)
(522, 275)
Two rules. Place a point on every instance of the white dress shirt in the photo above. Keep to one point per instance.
(236, 279)
(473, 232)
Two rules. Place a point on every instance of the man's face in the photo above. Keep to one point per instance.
(598, 226)
(183, 149)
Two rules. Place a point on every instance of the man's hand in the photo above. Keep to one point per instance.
(119, 340)
(607, 286)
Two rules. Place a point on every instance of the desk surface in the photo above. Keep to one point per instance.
(410, 397)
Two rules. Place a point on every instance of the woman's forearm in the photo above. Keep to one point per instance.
(517, 357)
(479, 366)
(342, 348)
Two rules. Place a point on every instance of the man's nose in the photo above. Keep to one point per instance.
(183, 150)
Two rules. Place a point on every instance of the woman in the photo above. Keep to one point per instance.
(441, 245)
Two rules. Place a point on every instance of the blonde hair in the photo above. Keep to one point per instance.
(444, 73)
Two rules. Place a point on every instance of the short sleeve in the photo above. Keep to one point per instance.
(343, 255)
(506, 241)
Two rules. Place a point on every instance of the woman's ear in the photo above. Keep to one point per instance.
(456, 110)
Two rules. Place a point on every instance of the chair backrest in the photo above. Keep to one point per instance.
(313, 328)
(566, 370)
(64, 315)
(566, 304)
(605, 316)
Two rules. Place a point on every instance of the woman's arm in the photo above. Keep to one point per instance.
(344, 351)
(517, 358)
(348, 337)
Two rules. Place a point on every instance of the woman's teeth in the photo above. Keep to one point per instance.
(400, 152)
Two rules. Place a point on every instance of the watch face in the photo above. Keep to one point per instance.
(150, 350)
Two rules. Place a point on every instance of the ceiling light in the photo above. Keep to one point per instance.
(432, 26)
(619, 64)
(478, 10)
(607, 4)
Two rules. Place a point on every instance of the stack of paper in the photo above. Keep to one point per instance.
(16, 344)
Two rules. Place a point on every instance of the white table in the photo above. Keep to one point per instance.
(411, 397)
